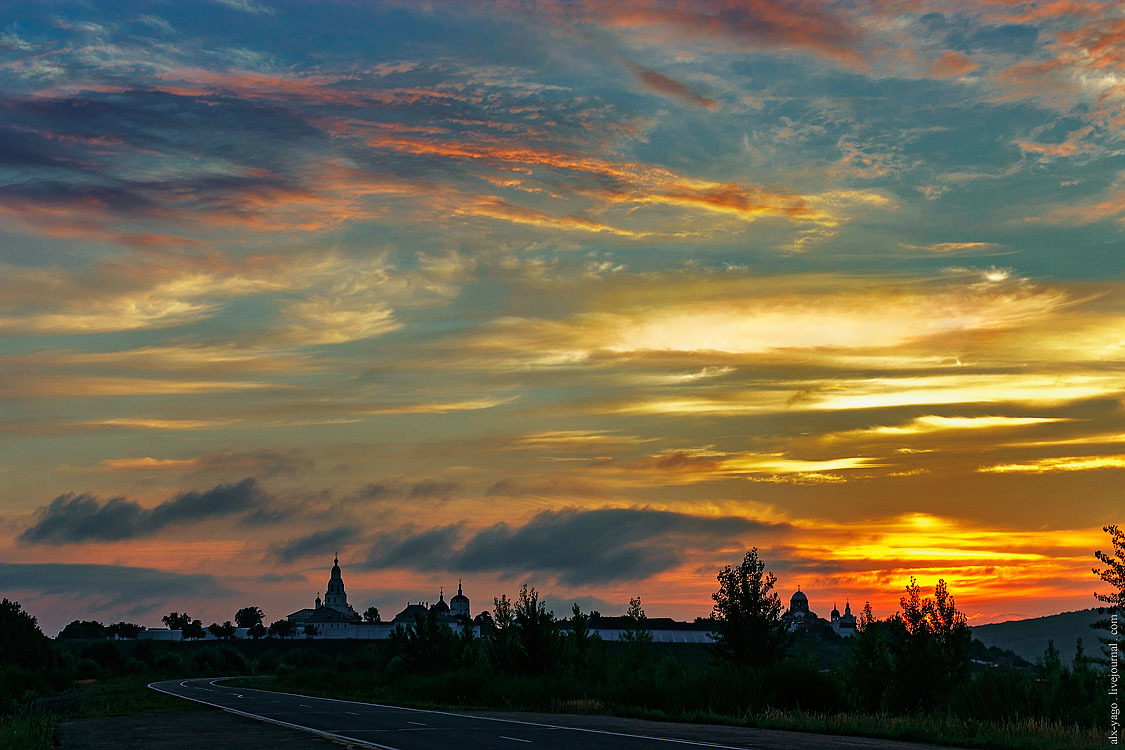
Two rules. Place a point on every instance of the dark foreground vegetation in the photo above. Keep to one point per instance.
(911, 677)
(914, 676)
(672, 682)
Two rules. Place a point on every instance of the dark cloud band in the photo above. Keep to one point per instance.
(572, 546)
(75, 518)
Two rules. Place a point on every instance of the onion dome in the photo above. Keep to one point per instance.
(441, 607)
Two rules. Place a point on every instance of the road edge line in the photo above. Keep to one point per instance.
(675, 740)
(279, 722)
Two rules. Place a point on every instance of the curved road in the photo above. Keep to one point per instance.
(397, 728)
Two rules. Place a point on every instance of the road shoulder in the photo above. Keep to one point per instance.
(187, 729)
(709, 733)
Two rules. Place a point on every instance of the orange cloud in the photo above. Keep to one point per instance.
(1104, 208)
(495, 208)
(613, 182)
(662, 84)
(750, 24)
(1070, 146)
(62, 386)
(952, 65)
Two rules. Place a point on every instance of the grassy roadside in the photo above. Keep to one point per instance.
(1017, 734)
(37, 727)
(128, 696)
(35, 731)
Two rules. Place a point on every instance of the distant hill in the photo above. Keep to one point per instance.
(1028, 638)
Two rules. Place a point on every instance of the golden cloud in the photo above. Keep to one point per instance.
(1063, 463)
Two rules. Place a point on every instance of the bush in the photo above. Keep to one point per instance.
(107, 654)
(88, 669)
(171, 665)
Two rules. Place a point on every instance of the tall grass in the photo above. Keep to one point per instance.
(35, 731)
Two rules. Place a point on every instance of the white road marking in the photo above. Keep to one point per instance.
(417, 723)
(353, 713)
(279, 722)
(513, 739)
(671, 740)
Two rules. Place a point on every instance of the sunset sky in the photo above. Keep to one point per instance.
(589, 295)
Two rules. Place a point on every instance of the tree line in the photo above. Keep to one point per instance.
(250, 618)
(918, 662)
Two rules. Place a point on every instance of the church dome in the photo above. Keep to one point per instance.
(799, 603)
(459, 604)
(441, 607)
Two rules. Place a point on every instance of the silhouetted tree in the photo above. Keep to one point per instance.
(282, 629)
(929, 643)
(256, 631)
(636, 634)
(580, 641)
(1051, 663)
(224, 631)
(537, 631)
(485, 623)
(1114, 574)
(83, 629)
(466, 634)
(636, 626)
(248, 617)
(125, 630)
(503, 645)
(579, 625)
(176, 620)
(371, 614)
(194, 630)
(311, 630)
(869, 661)
(747, 616)
(22, 643)
(1081, 663)
(427, 644)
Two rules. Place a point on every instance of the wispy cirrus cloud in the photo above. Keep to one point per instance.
(1059, 463)
(812, 27)
(263, 462)
(742, 317)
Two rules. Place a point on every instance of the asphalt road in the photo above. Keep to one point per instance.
(397, 728)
